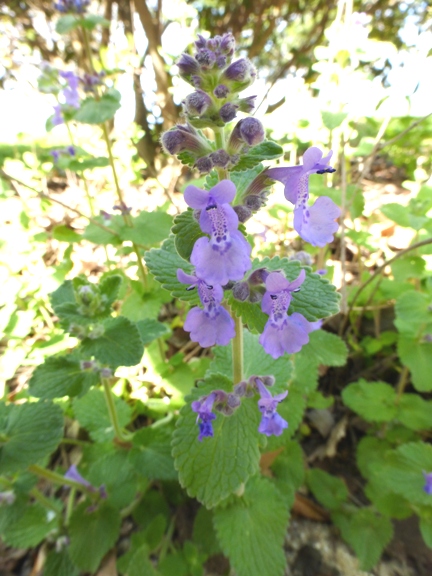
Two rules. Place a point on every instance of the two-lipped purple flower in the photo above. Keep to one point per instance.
(315, 224)
(283, 333)
(225, 255)
(211, 324)
(272, 423)
(203, 407)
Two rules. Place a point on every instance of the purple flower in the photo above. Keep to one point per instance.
(203, 407)
(283, 333)
(315, 224)
(428, 486)
(72, 6)
(225, 255)
(73, 474)
(57, 119)
(184, 137)
(272, 424)
(71, 91)
(211, 325)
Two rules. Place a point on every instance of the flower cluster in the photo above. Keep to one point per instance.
(214, 103)
(72, 6)
(272, 424)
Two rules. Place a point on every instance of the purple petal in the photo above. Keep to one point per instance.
(208, 331)
(206, 430)
(224, 192)
(196, 198)
(186, 278)
(298, 281)
(290, 177)
(316, 224)
(428, 486)
(273, 426)
(312, 156)
(230, 215)
(73, 474)
(276, 282)
(271, 342)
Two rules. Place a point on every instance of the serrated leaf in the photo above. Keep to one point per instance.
(305, 377)
(251, 531)
(92, 413)
(213, 469)
(32, 431)
(148, 228)
(187, 231)
(92, 534)
(413, 314)
(401, 471)
(67, 23)
(59, 564)
(94, 111)
(417, 356)
(30, 528)
(186, 158)
(63, 294)
(288, 468)
(163, 263)
(414, 412)
(255, 362)
(152, 454)
(211, 180)
(326, 348)
(119, 345)
(61, 376)
(366, 533)
(109, 288)
(267, 150)
(373, 401)
(150, 330)
(332, 120)
(327, 489)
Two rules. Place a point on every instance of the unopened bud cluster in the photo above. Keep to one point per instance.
(215, 102)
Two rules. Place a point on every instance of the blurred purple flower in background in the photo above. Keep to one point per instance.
(71, 91)
(315, 224)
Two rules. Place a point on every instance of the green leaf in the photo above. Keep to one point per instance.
(243, 179)
(288, 467)
(213, 469)
(267, 150)
(150, 330)
(401, 471)
(366, 533)
(332, 120)
(92, 413)
(59, 564)
(408, 267)
(103, 236)
(329, 490)
(187, 231)
(387, 503)
(80, 164)
(90, 21)
(373, 401)
(120, 344)
(148, 228)
(32, 431)
(109, 288)
(163, 263)
(402, 216)
(64, 294)
(30, 528)
(251, 530)
(94, 111)
(326, 348)
(92, 534)
(414, 412)
(67, 23)
(426, 525)
(65, 234)
(413, 314)
(204, 535)
(255, 362)
(417, 356)
(61, 376)
(152, 454)
(370, 452)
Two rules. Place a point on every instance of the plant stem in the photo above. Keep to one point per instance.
(112, 410)
(237, 350)
(37, 495)
(69, 506)
(403, 381)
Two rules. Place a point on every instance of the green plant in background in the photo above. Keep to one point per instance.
(102, 434)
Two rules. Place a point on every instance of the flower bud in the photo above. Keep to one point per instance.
(256, 295)
(258, 276)
(220, 158)
(240, 388)
(206, 59)
(246, 104)
(227, 44)
(241, 291)
(233, 400)
(184, 137)
(197, 103)
(221, 91)
(187, 66)
(106, 373)
(243, 212)
(302, 257)
(253, 202)
(251, 131)
(228, 112)
(221, 61)
(204, 164)
(201, 42)
(241, 73)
